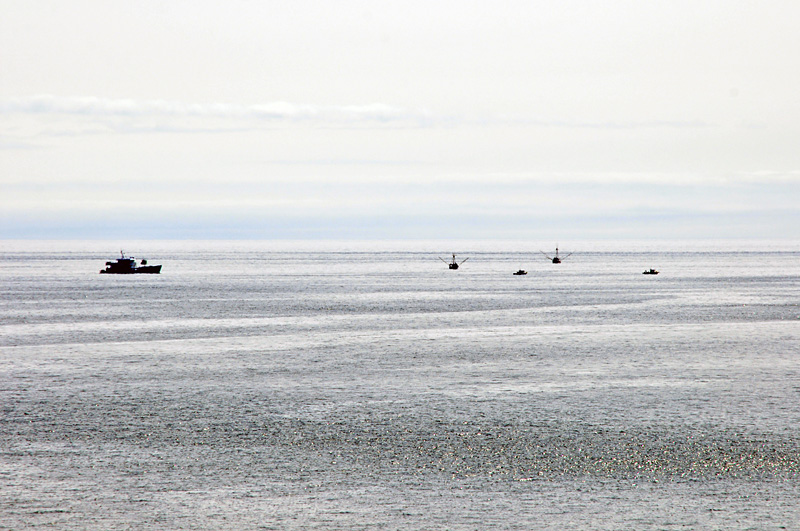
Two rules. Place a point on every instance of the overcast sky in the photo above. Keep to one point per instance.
(412, 119)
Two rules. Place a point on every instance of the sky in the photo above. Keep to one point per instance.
(346, 119)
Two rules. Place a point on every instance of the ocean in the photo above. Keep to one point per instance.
(364, 385)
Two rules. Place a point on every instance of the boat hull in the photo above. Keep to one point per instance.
(152, 270)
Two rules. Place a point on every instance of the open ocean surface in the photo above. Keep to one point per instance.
(364, 385)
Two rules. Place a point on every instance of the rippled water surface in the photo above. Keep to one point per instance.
(349, 385)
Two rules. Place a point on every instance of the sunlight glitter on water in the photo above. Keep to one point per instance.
(357, 387)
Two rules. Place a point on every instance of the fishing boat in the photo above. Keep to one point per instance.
(650, 272)
(126, 265)
(453, 264)
(555, 259)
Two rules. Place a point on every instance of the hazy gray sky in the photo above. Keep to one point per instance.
(259, 119)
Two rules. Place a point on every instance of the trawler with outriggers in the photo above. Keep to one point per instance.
(126, 265)
(556, 259)
(453, 264)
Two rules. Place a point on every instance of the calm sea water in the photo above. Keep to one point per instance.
(352, 385)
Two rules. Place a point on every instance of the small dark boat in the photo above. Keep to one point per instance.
(555, 259)
(453, 264)
(521, 272)
(650, 272)
(126, 265)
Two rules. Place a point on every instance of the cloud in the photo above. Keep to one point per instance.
(272, 111)
(283, 111)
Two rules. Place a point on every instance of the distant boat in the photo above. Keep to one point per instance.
(521, 272)
(650, 272)
(556, 259)
(453, 264)
(126, 265)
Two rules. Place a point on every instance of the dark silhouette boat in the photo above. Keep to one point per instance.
(521, 272)
(453, 264)
(126, 265)
(650, 272)
(555, 259)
